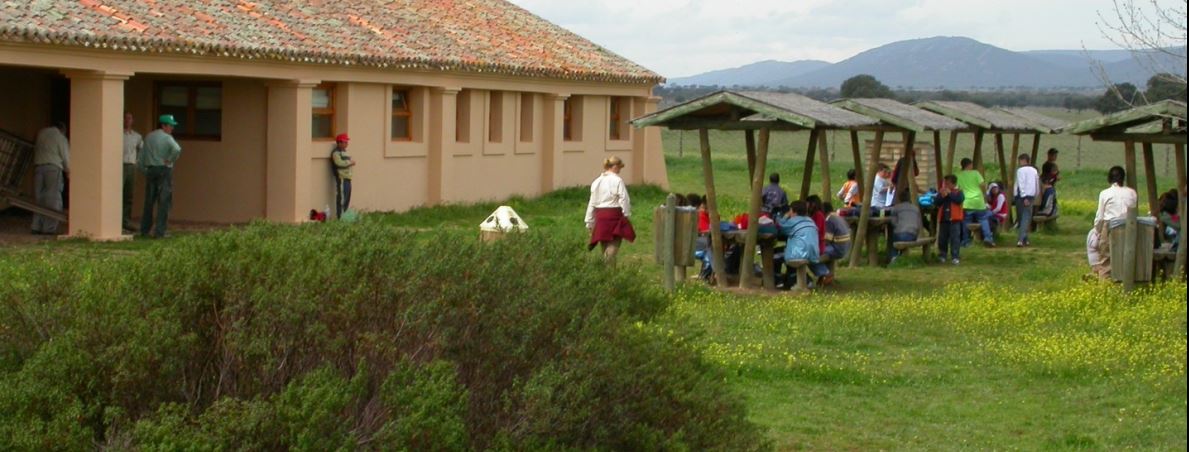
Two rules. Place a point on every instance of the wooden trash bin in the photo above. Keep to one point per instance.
(1145, 245)
(685, 233)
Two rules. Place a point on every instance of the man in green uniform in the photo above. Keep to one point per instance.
(971, 183)
(341, 164)
(156, 162)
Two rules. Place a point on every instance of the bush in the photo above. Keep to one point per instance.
(328, 336)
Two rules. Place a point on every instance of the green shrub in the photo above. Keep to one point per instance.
(347, 336)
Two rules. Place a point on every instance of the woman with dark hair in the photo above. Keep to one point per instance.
(1170, 220)
(814, 205)
(849, 194)
(1112, 205)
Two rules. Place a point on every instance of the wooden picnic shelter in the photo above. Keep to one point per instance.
(982, 121)
(908, 120)
(1043, 123)
(1162, 122)
(750, 112)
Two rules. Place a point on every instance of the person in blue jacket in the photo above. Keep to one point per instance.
(802, 243)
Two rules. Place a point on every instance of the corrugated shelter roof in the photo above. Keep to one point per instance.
(450, 35)
(751, 109)
(1166, 117)
(901, 115)
(1053, 124)
(981, 117)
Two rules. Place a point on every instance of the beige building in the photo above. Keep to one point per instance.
(445, 102)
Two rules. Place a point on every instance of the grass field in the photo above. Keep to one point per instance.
(1010, 350)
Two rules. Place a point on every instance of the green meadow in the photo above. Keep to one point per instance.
(1009, 350)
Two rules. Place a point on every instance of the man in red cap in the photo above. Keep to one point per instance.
(341, 164)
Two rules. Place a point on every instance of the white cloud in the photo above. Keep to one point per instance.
(684, 37)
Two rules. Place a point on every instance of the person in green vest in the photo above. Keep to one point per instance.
(156, 161)
(974, 207)
(341, 164)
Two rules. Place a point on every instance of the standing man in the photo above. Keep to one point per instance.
(1027, 187)
(775, 199)
(133, 143)
(160, 152)
(974, 207)
(51, 159)
(341, 163)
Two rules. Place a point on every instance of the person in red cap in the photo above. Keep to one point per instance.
(341, 165)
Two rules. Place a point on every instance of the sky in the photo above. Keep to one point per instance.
(685, 37)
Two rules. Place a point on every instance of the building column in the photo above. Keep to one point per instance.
(443, 120)
(647, 149)
(96, 157)
(552, 132)
(287, 196)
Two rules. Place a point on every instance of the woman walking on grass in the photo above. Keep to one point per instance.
(608, 211)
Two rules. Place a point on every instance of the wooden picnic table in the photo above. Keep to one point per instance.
(767, 243)
(876, 226)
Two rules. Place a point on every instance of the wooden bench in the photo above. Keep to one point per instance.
(1050, 220)
(1162, 262)
(802, 268)
(925, 243)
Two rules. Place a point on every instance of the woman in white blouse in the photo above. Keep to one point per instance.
(1112, 205)
(608, 211)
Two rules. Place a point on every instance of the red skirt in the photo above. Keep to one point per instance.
(610, 225)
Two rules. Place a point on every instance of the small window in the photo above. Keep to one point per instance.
(323, 103)
(402, 115)
(526, 117)
(495, 117)
(572, 120)
(462, 117)
(617, 120)
(197, 107)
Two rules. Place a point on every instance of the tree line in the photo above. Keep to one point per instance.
(1114, 98)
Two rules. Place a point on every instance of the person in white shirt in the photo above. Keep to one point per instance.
(133, 143)
(882, 190)
(51, 160)
(1027, 188)
(1112, 205)
(608, 211)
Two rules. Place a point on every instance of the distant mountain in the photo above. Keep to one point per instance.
(762, 73)
(950, 63)
(958, 63)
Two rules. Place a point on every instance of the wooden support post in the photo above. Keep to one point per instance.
(1002, 161)
(753, 214)
(1130, 233)
(767, 253)
(1179, 263)
(1036, 147)
(680, 143)
(749, 143)
(716, 245)
(1150, 175)
(821, 137)
(1014, 163)
(865, 211)
(857, 155)
(667, 246)
(1129, 162)
(949, 152)
(937, 158)
(807, 177)
(908, 179)
(978, 152)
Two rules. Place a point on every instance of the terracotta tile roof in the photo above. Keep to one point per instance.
(490, 36)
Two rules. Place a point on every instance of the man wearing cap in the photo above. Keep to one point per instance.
(341, 165)
(156, 161)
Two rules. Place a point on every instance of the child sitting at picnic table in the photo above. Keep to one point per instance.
(802, 244)
(997, 202)
(949, 219)
(906, 224)
(837, 234)
(814, 204)
(849, 194)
